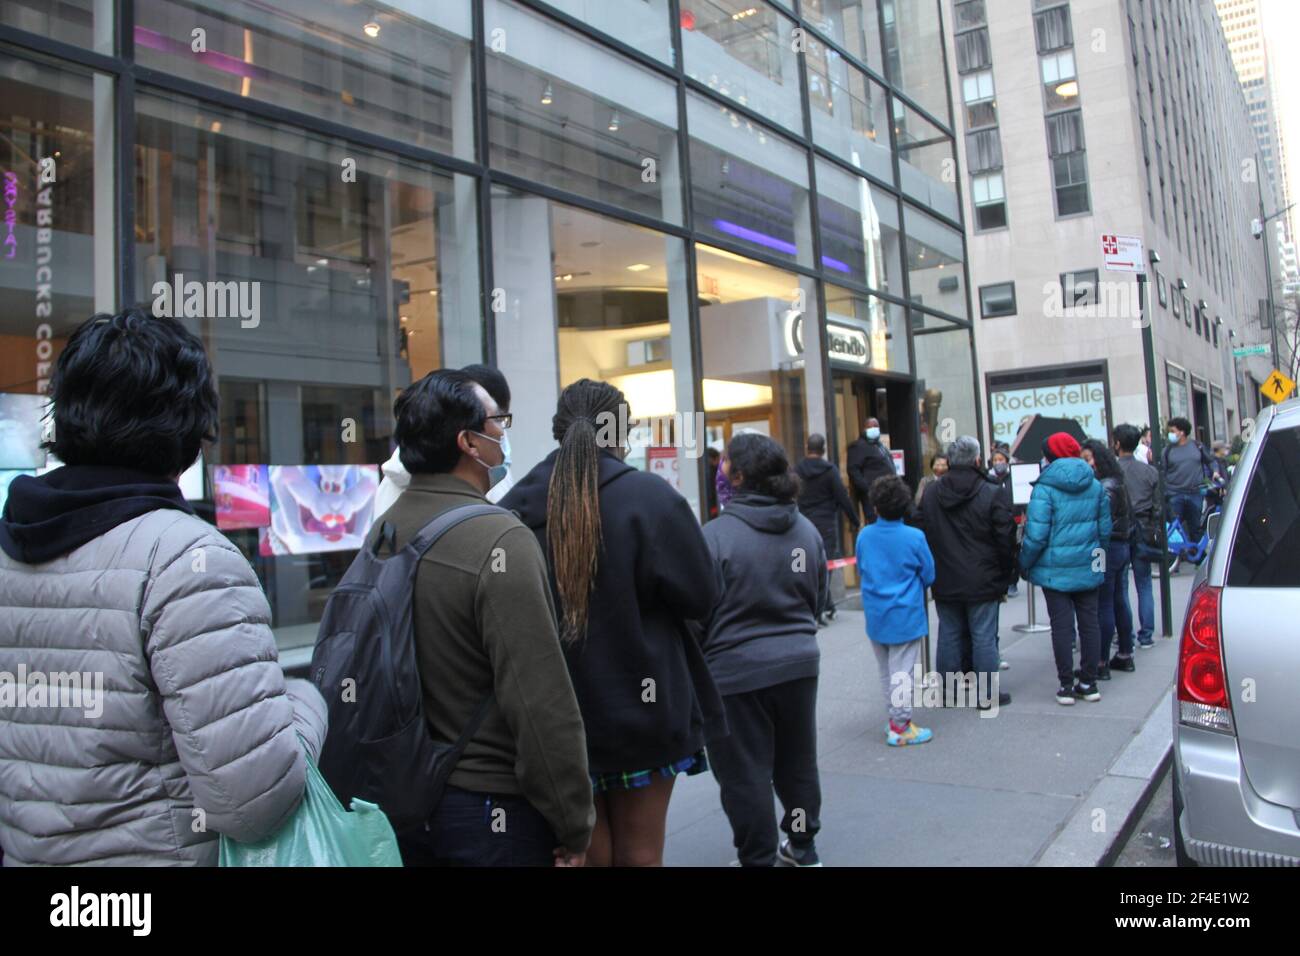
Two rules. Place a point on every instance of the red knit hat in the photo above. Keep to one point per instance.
(1061, 445)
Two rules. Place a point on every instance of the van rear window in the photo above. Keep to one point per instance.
(1266, 553)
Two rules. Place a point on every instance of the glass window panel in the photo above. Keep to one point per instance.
(880, 325)
(749, 186)
(56, 238)
(359, 288)
(590, 297)
(850, 117)
(853, 24)
(927, 161)
(84, 23)
(643, 24)
(859, 226)
(945, 384)
(400, 70)
(934, 264)
(968, 14)
(755, 325)
(914, 46)
(744, 50)
(564, 112)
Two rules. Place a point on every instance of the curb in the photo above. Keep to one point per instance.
(1118, 799)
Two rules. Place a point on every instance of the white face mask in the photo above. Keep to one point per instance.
(873, 434)
(497, 473)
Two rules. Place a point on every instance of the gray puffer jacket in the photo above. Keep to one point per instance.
(196, 714)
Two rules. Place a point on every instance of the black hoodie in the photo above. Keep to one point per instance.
(968, 525)
(53, 515)
(772, 567)
(653, 575)
(821, 492)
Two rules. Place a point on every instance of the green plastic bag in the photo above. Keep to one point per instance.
(321, 833)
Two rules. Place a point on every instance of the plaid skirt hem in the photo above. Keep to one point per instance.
(635, 779)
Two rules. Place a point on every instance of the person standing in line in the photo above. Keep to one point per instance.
(397, 478)
(896, 567)
(479, 631)
(1067, 520)
(629, 569)
(1142, 483)
(761, 646)
(867, 459)
(822, 499)
(1188, 469)
(1112, 601)
(938, 468)
(104, 566)
(968, 527)
(1000, 474)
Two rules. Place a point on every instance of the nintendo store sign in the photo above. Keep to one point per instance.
(847, 344)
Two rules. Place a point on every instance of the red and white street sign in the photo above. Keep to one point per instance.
(1123, 254)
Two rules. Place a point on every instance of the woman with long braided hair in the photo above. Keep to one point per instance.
(630, 568)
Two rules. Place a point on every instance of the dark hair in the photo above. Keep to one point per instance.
(573, 496)
(763, 466)
(934, 459)
(493, 382)
(1105, 464)
(1004, 452)
(1127, 437)
(431, 414)
(133, 390)
(816, 444)
(890, 497)
(1182, 424)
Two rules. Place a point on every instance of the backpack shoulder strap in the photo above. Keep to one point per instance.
(446, 520)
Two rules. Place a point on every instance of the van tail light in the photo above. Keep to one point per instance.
(1203, 699)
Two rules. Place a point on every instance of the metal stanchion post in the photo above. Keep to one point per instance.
(1031, 626)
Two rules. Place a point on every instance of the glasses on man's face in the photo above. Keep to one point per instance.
(504, 420)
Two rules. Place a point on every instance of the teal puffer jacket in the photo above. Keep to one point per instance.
(1065, 527)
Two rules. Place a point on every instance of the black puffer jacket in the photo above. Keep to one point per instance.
(654, 575)
(967, 523)
(1120, 510)
(821, 493)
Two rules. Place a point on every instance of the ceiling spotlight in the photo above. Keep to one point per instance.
(371, 29)
(547, 95)
(613, 122)
(637, 267)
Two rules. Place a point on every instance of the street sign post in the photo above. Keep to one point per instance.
(1124, 254)
(1249, 350)
(1277, 387)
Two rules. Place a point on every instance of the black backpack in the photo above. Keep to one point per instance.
(378, 746)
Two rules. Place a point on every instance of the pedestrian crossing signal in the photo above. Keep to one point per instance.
(1277, 387)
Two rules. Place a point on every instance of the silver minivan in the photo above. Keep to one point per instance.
(1237, 699)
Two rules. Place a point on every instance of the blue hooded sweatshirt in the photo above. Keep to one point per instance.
(1065, 527)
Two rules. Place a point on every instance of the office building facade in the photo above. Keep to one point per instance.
(746, 215)
(1092, 118)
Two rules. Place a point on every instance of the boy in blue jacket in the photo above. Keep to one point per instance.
(895, 565)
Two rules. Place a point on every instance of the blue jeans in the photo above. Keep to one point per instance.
(1187, 509)
(1142, 560)
(968, 638)
(1112, 602)
(481, 829)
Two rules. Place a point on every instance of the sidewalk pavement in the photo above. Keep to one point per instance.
(1037, 784)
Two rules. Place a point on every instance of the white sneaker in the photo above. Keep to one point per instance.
(1003, 666)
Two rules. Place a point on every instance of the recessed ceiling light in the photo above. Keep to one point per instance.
(433, 292)
(613, 122)
(637, 267)
(547, 95)
(322, 262)
(1067, 90)
(371, 29)
(406, 318)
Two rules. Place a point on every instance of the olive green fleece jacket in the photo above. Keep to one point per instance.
(485, 622)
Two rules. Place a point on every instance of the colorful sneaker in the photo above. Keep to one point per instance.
(912, 735)
(794, 856)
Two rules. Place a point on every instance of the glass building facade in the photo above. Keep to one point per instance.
(744, 214)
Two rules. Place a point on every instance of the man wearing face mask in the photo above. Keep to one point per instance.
(396, 477)
(867, 460)
(485, 624)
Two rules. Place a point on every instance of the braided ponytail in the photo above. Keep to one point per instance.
(573, 497)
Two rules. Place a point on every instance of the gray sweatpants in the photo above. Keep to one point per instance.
(896, 663)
